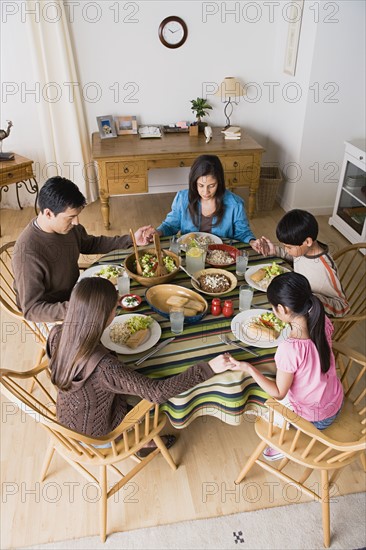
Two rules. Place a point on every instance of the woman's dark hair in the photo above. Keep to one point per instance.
(91, 303)
(206, 165)
(293, 291)
(58, 194)
(296, 226)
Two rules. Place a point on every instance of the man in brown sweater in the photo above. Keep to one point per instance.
(46, 254)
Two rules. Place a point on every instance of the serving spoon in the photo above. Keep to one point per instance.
(161, 269)
(138, 265)
(191, 276)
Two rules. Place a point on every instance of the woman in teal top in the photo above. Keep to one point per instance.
(207, 205)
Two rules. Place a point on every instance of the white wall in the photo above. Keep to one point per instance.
(125, 70)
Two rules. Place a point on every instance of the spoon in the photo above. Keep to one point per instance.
(229, 342)
(138, 265)
(191, 276)
(161, 269)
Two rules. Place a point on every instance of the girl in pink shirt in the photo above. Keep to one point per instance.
(305, 363)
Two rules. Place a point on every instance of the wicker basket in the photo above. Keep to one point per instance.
(270, 179)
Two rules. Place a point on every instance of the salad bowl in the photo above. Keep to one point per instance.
(146, 257)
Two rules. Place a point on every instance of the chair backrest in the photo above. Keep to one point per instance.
(341, 441)
(137, 428)
(8, 296)
(351, 264)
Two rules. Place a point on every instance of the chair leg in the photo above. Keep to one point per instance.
(164, 451)
(262, 445)
(103, 503)
(363, 461)
(47, 461)
(325, 508)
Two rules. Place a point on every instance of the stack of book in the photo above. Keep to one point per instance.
(232, 132)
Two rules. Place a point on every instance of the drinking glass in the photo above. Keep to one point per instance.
(123, 283)
(195, 257)
(245, 297)
(174, 245)
(176, 316)
(241, 263)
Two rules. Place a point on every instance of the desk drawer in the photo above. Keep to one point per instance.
(18, 173)
(118, 170)
(246, 177)
(127, 186)
(176, 162)
(237, 163)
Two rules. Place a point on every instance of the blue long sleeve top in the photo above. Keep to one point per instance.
(234, 223)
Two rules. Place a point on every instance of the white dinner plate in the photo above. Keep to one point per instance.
(214, 238)
(154, 336)
(91, 271)
(244, 318)
(251, 270)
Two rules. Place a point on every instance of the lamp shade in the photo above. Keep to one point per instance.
(230, 87)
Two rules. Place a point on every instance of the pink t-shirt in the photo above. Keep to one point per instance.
(313, 394)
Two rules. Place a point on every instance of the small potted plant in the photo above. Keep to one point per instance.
(200, 107)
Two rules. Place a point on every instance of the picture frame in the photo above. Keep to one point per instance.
(126, 125)
(106, 126)
(293, 37)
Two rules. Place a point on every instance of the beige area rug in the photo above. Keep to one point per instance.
(297, 526)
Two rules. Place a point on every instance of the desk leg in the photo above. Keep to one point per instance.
(31, 186)
(104, 199)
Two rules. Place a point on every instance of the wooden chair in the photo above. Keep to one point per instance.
(140, 426)
(326, 451)
(8, 302)
(351, 263)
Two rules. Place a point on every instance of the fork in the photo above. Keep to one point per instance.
(229, 342)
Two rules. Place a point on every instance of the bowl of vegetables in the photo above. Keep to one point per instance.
(149, 264)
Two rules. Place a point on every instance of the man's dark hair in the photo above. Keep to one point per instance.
(58, 194)
(296, 226)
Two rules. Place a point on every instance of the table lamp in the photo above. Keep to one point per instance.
(229, 89)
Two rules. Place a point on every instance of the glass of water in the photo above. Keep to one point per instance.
(174, 245)
(176, 316)
(245, 297)
(241, 263)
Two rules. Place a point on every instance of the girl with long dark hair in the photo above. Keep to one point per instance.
(207, 205)
(92, 382)
(305, 363)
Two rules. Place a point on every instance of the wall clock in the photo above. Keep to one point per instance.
(173, 32)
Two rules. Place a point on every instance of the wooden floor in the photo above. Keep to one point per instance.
(210, 452)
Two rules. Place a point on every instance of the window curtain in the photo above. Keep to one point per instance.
(65, 135)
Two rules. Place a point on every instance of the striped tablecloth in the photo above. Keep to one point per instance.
(226, 396)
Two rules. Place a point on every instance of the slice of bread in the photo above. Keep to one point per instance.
(176, 301)
(195, 304)
(189, 312)
(137, 338)
(258, 275)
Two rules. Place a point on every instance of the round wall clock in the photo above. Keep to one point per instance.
(173, 32)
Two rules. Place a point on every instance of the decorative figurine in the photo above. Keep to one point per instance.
(208, 133)
(4, 134)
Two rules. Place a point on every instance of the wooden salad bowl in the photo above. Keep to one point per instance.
(130, 267)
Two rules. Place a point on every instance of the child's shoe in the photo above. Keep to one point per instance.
(272, 454)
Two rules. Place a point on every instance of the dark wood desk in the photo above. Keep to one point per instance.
(124, 161)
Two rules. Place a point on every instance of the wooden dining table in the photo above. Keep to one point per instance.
(228, 396)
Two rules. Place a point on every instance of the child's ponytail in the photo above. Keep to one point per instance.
(316, 324)
(293, 291)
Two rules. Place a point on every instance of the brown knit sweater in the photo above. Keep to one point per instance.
(96, 402)
(46, 268)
